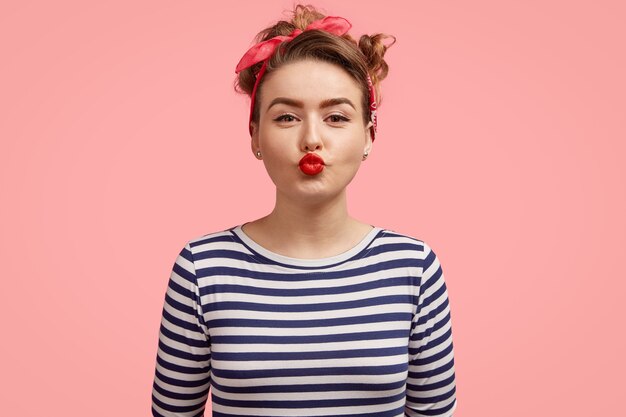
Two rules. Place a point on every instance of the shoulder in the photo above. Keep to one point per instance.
(409, 246)
(213, 240)
(402, 241)
(218, 248)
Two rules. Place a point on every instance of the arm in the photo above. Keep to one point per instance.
(183, 363)
(431, 386)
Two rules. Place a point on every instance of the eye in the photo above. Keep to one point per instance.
(338, 118)
(287, 118)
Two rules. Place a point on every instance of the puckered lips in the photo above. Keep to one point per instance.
(311, 164)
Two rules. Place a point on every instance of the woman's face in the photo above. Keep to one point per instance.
(311, 107)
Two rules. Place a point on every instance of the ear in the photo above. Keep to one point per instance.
(254, 138)
(368, 138)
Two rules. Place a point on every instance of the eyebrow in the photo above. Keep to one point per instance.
(297, 103)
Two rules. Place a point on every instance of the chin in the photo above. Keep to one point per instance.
(317, 192)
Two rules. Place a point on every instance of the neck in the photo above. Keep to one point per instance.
(301, 229)
(311, 221)
(317, 228)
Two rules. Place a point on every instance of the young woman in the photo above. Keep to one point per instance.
(307, 311)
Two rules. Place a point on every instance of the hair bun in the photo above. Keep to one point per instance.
(374, 48)
(304, 15)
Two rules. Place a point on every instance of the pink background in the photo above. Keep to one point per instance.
(501, 143)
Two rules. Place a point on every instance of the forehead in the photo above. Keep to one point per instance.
(310, 81)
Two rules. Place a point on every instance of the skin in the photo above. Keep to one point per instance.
(310, 218)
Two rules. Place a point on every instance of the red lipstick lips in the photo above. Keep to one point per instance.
(311, 164)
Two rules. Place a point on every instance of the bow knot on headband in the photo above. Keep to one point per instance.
(262, 51)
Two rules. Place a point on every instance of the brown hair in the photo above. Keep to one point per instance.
(358, 59)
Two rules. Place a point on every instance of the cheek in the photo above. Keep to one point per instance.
(278, 160)
(352, 159)
(347, 163)
(351, 151)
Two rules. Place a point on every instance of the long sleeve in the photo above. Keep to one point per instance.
(431, 385)
(183, 363)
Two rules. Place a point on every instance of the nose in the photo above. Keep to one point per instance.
(311, 137)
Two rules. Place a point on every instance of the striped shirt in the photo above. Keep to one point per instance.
(364, 333)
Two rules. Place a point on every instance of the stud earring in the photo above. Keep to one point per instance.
(258, 154)
(365, 155)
